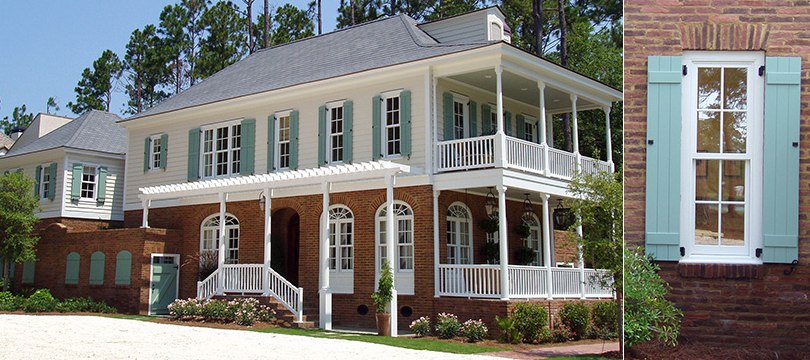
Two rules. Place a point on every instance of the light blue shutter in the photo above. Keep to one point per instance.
(348, 130)
(147, 145)
(662, 219)
(376, 128)
(507, 118)
(271, 143)
(521, 126)
(52, 184)
(486, 119)
(72, 268)
(473, 119)
(780, 198)
(322, 136)
(76, 182)
(123, 268)
(294, 140)
(36, 181)
(247, 152)
(405, 122)
(29, 268)
(447, 111)
(97, 268)
(193, 154)
(101, 185)
(164, 150)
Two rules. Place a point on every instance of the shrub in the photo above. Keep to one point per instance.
(385, 285)
(605, 318)
(561, 333)
(509, 332)
(10, 302)
(421, 326)
(447, 326)
(214, 310)
(244, 312)
(40, 301)
(265, 314)
(530, 320)
(474, 330)
(181, 309)
(647, 312)
(577, 317)
(84, 304)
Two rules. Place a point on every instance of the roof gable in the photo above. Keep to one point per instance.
(94, 131)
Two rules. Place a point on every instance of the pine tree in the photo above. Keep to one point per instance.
(94, 90)
(224, 42)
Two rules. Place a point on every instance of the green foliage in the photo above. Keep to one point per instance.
(94, 90)
(647, 313)
(41, 301)
(474, 330)
(447, 326)
(489, 224)
(491, 251)
(245, 312)
(84, 304)
(225, 37)
(19, 118)
(175, 41)
(605, 318)
(576, 316)
(10, 302)
(18, 207)
(51, 104)
(524, 255)
(290, 24)
(523, 230)
(530, 321)
(353, 12)
(144, 63)
(561, 333)
(385, 286)
(421, 326)
(509, 331)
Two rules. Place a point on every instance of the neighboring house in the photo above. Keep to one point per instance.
(5, 143)
(714, 190)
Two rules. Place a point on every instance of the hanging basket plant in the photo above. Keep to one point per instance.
(523, 230)
(524, 255)
(491, 252)
(489, 225)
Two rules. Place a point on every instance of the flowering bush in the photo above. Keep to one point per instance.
(421, 326)
(447, 326)
(184, 308)
(576, 316)
(474, 330)
(562, 333)
(241, 311)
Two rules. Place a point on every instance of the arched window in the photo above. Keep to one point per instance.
(341, 238)
(459, 234)
(97, 268)
(72, 268)
(533, 241)
(403, 228)
(209, 237)
(123, 268)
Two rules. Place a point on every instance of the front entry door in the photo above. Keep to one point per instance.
(163, 285)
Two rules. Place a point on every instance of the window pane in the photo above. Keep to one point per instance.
(735, 85)
(735, 129)
(706, 182)
(708, 88)
(734, 180)
(733, 225)
(706, 224)
(708, 131)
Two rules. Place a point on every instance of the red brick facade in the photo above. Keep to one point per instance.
(723, 305)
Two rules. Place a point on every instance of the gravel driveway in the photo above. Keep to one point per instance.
(92, 337)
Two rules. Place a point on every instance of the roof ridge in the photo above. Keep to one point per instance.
(378, 19)
(78, 129)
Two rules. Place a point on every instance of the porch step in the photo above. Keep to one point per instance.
(284, 317)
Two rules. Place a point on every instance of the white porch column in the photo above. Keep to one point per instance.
(541, 120)
(390, 252)
(547, 247)
(268, 196)
(436, 243)
(145, 204)
(609, 141)
(575, 130)
(581, 260)
(325, 306)
(500, 141)
(503, 242)
(223, 197)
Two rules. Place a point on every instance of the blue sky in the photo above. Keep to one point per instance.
(43, 54)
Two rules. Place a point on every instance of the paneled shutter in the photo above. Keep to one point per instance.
(76, 181)
(101, 185)
(247, 152)
(164, 150)
(36, 181)
(123, 268)
(271, 143)
(662, 218)
(294, 140)
(147, 145)
(521, 126)
(780, 198)
(72, 268)
(507, 118)
(52, 184)
(29, 268)
(473, 119)
(348, 130)
(376, 128)
(193, 154)
(486, 120)
(447, 111)
(405, 122)
(322, 135)
(97, 268)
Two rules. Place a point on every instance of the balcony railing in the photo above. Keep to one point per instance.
(484, 152)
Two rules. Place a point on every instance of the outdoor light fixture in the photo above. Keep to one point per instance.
(261, 200)
(490, 204)
(528, 210)
(560, 214)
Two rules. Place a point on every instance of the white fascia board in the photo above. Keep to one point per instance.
(34, 158)
(495, 177)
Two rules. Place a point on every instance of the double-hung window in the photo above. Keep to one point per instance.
(283, 140)
(221, 149)
(392, 131)
(341, 239)
(461, 127)
(45, 182)
(530, 129)
(459, 234)
(88, 185)
(722, 150)
(154, 152)
(334, 141)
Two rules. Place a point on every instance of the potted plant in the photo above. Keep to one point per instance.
(524, 255)
(489, 224)
(382, 297)
(491, 252)
(523, 230)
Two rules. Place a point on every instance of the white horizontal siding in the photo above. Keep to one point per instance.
(89, 208)
(463, 29)
(28, 163)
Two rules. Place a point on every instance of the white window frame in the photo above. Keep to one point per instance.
(754, 156)
(331, 135)
(404, 277)
(229, 151)
(493, 117)
(154, 163)
(454, 235)
(536, 244)
(530, 121)
(337, 256)
(214, 229)
(94, 182)
(43, 185)
(465, 115)
(278, 142)
(384, 97)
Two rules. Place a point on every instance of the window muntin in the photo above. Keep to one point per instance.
(403, 227)
(459, 234)
(341, 239)
(88, 187)
(45, 182)
(154, 152)
(221, 150)
(533, 241)
(461, 125)
(392, 131)
(529, 129)
(209, 237)
(334, 118)
(283, 141)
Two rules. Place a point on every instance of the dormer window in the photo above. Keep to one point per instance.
(495, 31)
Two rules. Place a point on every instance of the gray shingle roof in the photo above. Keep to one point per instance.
(5, 141)
(381, 43)
(93, 131)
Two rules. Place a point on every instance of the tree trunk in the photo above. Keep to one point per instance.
(620, 327)
(351, 3)
(266, 23)
(320, 25)
(537, 8)
(563, 26)
(249, 11)
(6, 270)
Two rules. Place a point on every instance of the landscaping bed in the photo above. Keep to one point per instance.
(41, 301)
(693, 351)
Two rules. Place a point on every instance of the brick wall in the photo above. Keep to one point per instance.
(761, 306)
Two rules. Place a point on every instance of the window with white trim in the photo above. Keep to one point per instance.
(209, 237)
(529, 129)
(334, 123)
(533, 241)
(461, 125)
(282, 140)
(493, 118)
(221, 149)
(459, 234)
(154, 152)
(88, 187)
(722, 156)
(403, 228)
(45, 181)
(341, 238)
(392, 131)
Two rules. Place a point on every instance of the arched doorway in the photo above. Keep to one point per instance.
(285, 230)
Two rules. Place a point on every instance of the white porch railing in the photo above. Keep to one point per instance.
(483, 281)
(287, 294)
(562, 163)
(463, 154)
(243, 278)
(208, 287)
(524, 155)
(590, 165)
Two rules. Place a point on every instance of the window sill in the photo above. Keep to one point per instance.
(720, 271)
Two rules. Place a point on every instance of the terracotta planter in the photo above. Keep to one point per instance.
(383, 324)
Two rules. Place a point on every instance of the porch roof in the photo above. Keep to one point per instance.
(333, 173)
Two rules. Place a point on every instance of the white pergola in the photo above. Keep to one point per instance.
(267, 183)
